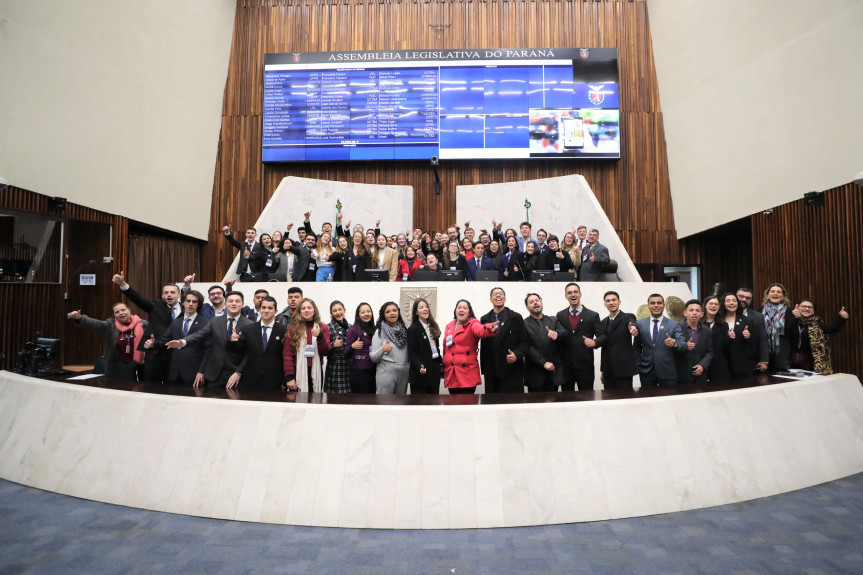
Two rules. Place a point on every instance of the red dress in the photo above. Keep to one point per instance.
(460, 362)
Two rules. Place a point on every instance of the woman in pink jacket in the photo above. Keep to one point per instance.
(461, 341)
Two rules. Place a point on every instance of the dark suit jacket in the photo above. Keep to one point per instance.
(591, 271)
(419, 355)
(701, 355)
(258, 260)
(543, 349)
(241, 246)
(158, 314)
(617, 358)
(659, 356)
(760, 334)
(511, 335)
(221, 355)
(186, 362)
(742, 353)
(516, 260)
(487, 265)
(578, 356)
(264, 368)
(549, 259)
(301, 270)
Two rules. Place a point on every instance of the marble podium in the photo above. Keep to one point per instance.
(420, 467)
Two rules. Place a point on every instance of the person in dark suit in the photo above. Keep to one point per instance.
(744, 296)
(424, 351)
(594, 256)
(502, 355)
(739, 343)
(617, 364)
(511, 264)
(304, 266)
(583, 333)
(654, 348)
(262, 343)
(245, 248)
(254, 313)
(479, 262)
(694, 359)
(554, 258)
(543, 363)
(187, 364)
(226, 364)
(160, 313)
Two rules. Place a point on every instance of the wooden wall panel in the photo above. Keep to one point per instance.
(634, 191)
(817, 252)
(27, 308)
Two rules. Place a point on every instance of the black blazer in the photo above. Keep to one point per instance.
(158, 314)
(258, 261)
(617, 358)
(577, 356)
(701, 355)
(511, 335)
(264, 368)
(543, 349)
(241, 246)
(549, 259)
(419, 355)
(459, 264)
(509, 266)
(301, 264)
(719, 370)
(742, 353)
(186, 362)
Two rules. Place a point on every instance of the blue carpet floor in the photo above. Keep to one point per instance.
(813, 531)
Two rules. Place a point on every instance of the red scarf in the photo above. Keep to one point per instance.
(130, 335)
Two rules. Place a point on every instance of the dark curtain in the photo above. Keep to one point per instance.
(156, 261)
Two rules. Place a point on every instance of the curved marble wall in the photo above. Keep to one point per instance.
(428, 467)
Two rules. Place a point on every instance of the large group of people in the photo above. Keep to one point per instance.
(225, 342)
(356, 254)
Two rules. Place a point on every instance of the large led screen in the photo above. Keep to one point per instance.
(452, 104)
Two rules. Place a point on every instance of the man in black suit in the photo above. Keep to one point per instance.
(254, 313)
(694, 358)
(583, 333)
(502, 355)
(618, 364)
(186, 364)
(543, 364)
(226, 364)
(262, 345)
(594, 256)
(304, 267)
(160, 313)
(744, 297)
(245, 248)
(478, 263)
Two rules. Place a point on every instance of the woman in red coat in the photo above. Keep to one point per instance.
(461, 341)
(409, 265)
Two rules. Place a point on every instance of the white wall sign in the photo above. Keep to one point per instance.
(88, 279)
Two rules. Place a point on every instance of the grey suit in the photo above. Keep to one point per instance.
(224, 359)
(656, 362)
(591, 271)
(543, 349)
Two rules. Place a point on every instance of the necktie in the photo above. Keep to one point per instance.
(186, 327)
(264, 337)
(655, 330)
(230, 327)
(173, 313)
